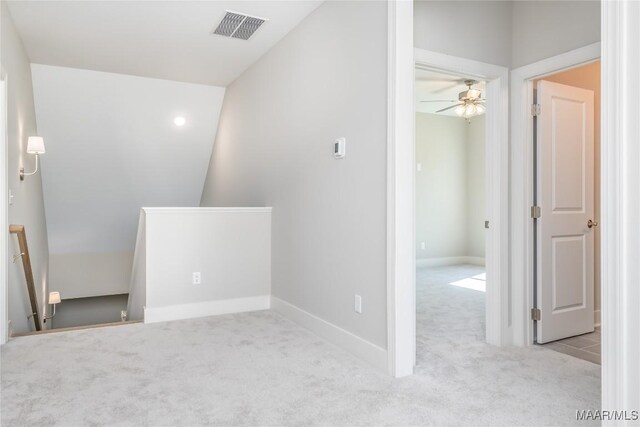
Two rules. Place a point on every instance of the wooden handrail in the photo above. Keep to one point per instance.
(28, 272)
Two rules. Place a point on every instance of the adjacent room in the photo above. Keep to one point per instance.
(567, 143)
(450, 208)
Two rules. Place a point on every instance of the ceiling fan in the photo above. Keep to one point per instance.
(470, 102)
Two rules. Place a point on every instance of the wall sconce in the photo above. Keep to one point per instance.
(35, 145)
(54, 299)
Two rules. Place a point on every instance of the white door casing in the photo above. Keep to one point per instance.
(4, 213)
(565, 187)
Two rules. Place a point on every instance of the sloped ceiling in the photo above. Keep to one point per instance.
(162, 39)
(112, 147)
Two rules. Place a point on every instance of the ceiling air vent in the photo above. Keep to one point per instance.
(238, 25)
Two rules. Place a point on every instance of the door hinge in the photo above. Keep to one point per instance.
(535, 110)
(536, 212)
(536, 314)
(486, 224)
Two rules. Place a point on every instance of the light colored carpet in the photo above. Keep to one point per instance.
(261, 369)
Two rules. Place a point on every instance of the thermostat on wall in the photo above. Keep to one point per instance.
(339, 148)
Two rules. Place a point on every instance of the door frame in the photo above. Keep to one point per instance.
(522, 230)
(620, 233)
(496, 181)
(4, 211)
(401, 262)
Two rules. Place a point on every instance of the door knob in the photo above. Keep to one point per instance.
(592, 223)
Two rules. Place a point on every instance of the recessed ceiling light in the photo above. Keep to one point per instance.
(179, 121)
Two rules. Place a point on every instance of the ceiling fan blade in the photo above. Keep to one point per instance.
(448, 108)
(448, 87)
(440, 100)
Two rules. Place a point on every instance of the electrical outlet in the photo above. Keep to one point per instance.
(358, 304)
(423, 245)
(197, 278)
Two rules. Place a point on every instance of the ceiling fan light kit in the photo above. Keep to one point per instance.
(470, 102)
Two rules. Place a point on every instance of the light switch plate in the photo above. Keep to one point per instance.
(358, 304)
(340, 148)
(197, 278)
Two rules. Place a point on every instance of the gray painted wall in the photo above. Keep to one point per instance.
(90, 274)
(89, 311)
(443, 26)
(476, 160)
(450, 189)
(441, 186)
(324, 80)
(27, 207)
(546, 28)
(507, 33)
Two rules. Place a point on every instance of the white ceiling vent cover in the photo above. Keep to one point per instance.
(238, 25)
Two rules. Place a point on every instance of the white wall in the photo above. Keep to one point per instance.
(450, 189)
(441, 186)
(138, 284)
(476, 195)
(112, 147)
(231, 248)
(27, 207)
(479, 30)
(87, 274)
(542, 29)
(325, 79)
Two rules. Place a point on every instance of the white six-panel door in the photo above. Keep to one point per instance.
(565, 186)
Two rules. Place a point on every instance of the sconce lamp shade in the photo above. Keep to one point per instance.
(35, 145)
(54, 297)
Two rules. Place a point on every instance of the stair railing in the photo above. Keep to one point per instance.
(19, 231)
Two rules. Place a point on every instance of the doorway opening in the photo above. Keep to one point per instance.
(566, 211)
(450, 148)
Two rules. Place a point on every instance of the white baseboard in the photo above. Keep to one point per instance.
(453, 260)
(596, 318)
(207, 308)
(371, 353)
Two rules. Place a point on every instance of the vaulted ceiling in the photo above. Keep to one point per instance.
(112, 147)
(162, 39)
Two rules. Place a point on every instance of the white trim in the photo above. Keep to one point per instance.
(4, 214)
(375, 355)
(452, 260)
(401, 258)
(180, 210)
(401, 263)
(456, 64)
(497, 183)
(206, 308)
(522, 180)
(620, 157)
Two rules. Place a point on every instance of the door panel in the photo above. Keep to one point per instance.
(565, 249)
